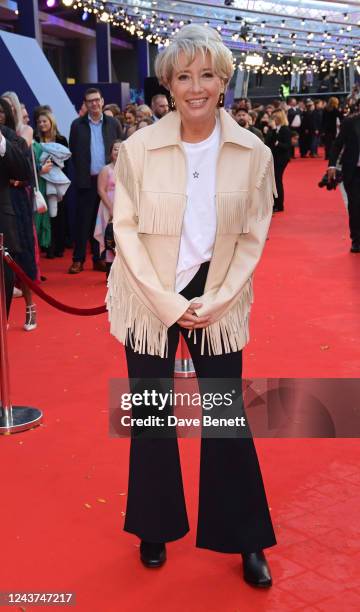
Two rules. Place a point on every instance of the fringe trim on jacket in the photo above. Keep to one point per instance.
(266, 187)
(233, 213)
(131, 322)
(231, 332)
(161, 213)
(125, 173)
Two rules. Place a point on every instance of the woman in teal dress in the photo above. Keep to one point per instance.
(42, 221)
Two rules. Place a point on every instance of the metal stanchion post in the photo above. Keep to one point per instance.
(12, 418)
(184, 367)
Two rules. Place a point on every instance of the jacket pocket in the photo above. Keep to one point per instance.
(161, 213)
(232, 212)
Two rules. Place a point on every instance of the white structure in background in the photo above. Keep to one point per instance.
(40, 77)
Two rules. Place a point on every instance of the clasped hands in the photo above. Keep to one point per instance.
(190, 319)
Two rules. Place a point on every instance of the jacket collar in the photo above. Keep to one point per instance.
(166, 131)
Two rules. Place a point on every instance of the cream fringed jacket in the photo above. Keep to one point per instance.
(150, 201)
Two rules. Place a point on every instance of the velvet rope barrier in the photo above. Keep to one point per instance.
(84, 312)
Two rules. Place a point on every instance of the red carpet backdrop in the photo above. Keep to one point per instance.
(64, 483)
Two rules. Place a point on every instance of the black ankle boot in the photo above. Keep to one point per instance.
(256, 570)
(152, 554)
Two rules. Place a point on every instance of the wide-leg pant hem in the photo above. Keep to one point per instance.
(235, 549)
(165, 540)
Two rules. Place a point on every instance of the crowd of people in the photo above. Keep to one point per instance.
(52, 164)
(87, 162)
(283, 126)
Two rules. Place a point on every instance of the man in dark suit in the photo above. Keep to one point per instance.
(13, 165)
(348, 142)
(91, 137)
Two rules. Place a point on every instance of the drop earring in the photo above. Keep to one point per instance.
(172, 103)
(221, 100)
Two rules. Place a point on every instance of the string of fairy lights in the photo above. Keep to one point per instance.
(158, 29)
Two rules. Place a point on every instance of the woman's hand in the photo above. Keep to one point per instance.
(190, 320)
(46, 167)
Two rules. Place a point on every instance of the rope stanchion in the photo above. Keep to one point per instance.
(12, 418)
(184, 367)
(84, 312)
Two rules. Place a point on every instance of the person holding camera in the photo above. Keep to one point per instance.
(348, 143)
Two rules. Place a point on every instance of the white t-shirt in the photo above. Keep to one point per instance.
(199, 223)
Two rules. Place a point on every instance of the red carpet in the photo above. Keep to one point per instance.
(64, 483)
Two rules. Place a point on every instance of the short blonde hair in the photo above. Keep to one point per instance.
(280, 113)
(190, 40)
(145, 109)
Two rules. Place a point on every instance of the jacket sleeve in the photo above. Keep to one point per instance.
(284, 140)
(137, 271)
(15, 162)
(72, 137)
(236, 289)
(119, 132)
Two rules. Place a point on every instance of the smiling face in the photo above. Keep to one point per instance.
(94, 103)
(196, 88)
(44, 124)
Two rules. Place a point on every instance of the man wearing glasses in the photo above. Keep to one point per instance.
(91, 137)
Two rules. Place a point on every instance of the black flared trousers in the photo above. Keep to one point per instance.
(279, 169)
(233, 514)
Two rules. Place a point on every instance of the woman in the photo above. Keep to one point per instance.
(22, 129)
(330, 122)
(143, 112)
(42, 221)
(20, 193)
(106, 189)
(25, 114)
(279, 141)
(130, 122)
(47, 132)
(262, 123)
(193, 204)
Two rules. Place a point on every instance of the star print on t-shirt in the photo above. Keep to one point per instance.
(195, 174)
